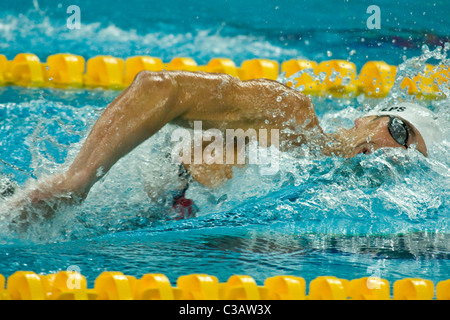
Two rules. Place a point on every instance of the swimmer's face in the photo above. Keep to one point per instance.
(373, 133)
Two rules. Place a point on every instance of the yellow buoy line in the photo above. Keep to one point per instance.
(338, 78)
(64, 285)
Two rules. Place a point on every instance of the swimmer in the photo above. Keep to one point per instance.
(155, 99)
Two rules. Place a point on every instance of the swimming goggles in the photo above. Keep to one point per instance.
(398, 130)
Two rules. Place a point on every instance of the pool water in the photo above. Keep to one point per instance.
(385, 214)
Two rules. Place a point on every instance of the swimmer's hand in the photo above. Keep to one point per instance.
(41, 200)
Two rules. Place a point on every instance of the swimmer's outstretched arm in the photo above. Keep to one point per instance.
(157, 98)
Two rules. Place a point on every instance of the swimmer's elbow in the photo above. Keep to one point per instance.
(149, 81)
(153, 91)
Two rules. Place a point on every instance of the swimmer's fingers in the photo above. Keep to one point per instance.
(40, 201)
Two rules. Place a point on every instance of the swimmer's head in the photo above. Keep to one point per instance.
(400, 126)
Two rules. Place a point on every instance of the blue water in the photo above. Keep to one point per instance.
(385, 214)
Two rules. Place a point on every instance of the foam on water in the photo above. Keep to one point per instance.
(26, 32)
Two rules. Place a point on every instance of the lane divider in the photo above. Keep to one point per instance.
(338, 78)
(27, 285)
